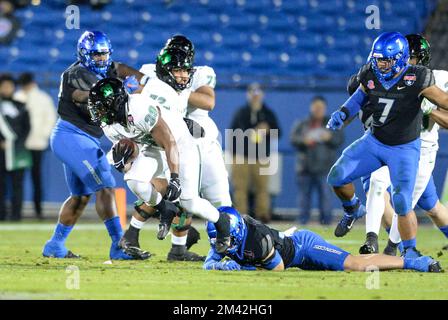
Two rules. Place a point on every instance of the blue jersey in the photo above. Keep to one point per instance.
(397, 116)
(79, 77)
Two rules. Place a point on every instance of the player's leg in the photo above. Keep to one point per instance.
(403, 164)
(214, 178)
(190, 177)
(375, 205)
(357, 160)
(377, 262)
(314, 253)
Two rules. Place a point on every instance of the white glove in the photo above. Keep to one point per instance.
(427, 107)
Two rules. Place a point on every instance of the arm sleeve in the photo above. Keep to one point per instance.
(353, 84)
(426, 78)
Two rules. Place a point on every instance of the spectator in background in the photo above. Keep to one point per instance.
(246, 177)
(14, 158)
(42, 112)
(9, 24)
(316, 147)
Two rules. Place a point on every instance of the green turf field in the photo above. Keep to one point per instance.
(24, 274)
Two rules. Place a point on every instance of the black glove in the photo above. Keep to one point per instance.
(173, 190)
(195, 128)
(121, 153)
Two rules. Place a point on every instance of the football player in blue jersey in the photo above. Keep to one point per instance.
(75, 141)
(395, 90)
(255, 245)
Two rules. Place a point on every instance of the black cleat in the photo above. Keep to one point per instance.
(369, 247)
(435, 267)
(186, 256)
(163, 231)
(345, 225)
(193, 237)
(180, 253)
(71, 255)
(445, 247)
(132, 250)
(391, 249)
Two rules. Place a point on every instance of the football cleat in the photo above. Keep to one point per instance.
(123, 251)
(435, 267)
(193, 237)
(390, 249)
(369, 247)
(347, 221)
(53, 249)
(163, 231)
(186, 256)
(445, 247)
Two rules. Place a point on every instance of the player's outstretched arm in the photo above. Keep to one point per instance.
(440, 117)
(134, 80)
(436, 96)
(203, 98)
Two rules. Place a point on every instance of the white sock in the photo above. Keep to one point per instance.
(137, 223)
(394, 234)
(202, 208)
(375, 206)
(180, 241)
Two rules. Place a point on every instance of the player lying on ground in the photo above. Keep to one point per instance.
(75, 141)
(425, 194)
(395, 90)
(255, 245)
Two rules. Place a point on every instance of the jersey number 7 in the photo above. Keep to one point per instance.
(388, 105)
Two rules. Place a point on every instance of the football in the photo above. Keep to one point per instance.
(125, 145)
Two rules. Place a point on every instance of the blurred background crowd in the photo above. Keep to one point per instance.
(280, 64)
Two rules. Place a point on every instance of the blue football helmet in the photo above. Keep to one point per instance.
(393, 48)
(92, 43)
(238, 232)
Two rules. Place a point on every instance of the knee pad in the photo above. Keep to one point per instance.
(145, 215)
(182, 225)
(402, 204)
